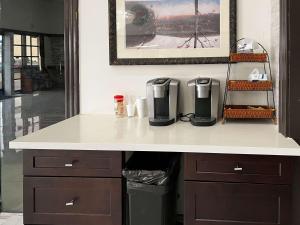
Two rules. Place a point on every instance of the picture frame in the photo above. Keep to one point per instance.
(191, 53)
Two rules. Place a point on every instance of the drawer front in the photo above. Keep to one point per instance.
(216, 203)
(238, 168)
(72, 201)
(72, 163)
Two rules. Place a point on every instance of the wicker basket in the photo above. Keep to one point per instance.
(248, 112)
(248, 57)
(243, 85)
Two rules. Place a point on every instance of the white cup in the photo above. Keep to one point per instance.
(141, 106)
(130, 110)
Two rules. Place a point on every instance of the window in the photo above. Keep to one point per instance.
(26, 55)
(18, 61)
(26, 51)
(32, 51)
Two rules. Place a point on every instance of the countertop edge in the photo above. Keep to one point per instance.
(241, 150)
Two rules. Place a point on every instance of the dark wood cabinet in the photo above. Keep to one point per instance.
(218, 203)
(72, 187)
(72, 201)
(237, 189)
(289, 96)
(64, 187)
(72, 163)
(238, 168)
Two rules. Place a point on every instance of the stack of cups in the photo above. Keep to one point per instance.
(141, 106)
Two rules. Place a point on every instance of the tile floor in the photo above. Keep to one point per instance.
(11, 219)
(20, 116)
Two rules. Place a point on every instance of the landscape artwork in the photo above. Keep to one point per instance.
(172, 24)
(166, 32)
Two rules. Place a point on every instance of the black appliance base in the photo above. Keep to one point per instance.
(203, 122)
(161, 122)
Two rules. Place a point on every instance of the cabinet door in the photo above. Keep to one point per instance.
(236, 204)
(72, 201)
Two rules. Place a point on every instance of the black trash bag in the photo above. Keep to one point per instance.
(152, 168)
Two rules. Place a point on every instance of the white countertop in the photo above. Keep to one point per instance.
(104, 132)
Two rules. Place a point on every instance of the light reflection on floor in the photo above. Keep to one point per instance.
(20, 116)
(11, 219)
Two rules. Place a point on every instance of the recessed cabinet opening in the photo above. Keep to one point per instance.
(153, 188)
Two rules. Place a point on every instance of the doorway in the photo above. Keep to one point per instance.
(36, 43)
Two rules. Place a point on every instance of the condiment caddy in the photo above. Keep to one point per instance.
(256, 83)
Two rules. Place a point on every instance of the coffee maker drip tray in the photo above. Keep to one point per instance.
(160, 122)
(203, 121)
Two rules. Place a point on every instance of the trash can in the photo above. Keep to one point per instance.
(151, 188)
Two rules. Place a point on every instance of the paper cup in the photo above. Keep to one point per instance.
(141, 106)
(130, 110)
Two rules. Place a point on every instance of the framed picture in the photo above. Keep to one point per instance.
(154, 32)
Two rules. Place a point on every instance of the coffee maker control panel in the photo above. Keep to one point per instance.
(161, 81)
(203, 81)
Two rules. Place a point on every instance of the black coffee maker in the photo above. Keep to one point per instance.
(162, 97)
(206, 95)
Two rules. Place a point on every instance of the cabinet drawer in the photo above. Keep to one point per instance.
(238, 168)
(72, 163)
(72, 201)
(236, 203)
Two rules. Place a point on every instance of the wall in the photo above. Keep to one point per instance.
(99, 81)
(48, 49)
(42, 16)
(54, 50)
(257, 19)
(275, 40)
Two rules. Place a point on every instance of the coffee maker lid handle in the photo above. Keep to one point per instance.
(192, 83)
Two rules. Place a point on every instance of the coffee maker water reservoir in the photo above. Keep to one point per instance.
(206, 96)
(162, 96)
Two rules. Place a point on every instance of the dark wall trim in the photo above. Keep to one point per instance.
(71, 58)
(283, 68)
(289, 69)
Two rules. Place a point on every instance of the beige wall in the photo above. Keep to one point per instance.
(99, 81)
(275, 39)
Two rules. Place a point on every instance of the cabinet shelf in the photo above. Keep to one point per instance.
(249, 112)
(244, 85)
(249, 57)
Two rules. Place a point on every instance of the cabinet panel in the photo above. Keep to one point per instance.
(289, 96)
(209, 203)
(72, 201)
(72, 163)
(238, 168)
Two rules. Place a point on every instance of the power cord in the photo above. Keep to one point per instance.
(186, 118)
